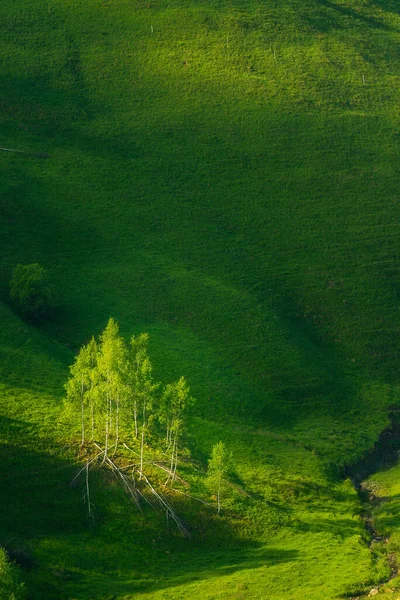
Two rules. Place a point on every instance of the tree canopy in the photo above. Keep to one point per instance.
(219, 466)
(114, 405)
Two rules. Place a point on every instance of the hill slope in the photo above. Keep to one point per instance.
(224, 176)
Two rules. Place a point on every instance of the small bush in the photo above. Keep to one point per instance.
(11, 587)
(31, 291)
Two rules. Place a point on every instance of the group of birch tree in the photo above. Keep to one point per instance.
(118, 412)
(113, 399)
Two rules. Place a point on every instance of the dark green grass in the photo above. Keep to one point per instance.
(220, 176)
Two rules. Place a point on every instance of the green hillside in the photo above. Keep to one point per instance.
(225, 176)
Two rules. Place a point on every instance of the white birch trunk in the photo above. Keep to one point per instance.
(116, 424)
(142, 440)
(107, 431)
(92, 418)
(88, 491)
(82, 415)
(135, 418)
(176, 456)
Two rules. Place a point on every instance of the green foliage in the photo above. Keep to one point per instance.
(219, 466)
(172, 413)
(81, 386)
(112, 394)
(11, 587)
(31, 291)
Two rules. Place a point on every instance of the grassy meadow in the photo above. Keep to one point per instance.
(225, 176)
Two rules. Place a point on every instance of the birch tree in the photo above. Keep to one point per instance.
(144, 394)
(176, 401)
(165, 414)
(217, 472)
(137, 355)
(79, 384)
(110, 365)
(93, 380)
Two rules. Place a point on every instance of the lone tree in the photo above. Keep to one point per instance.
(219, 466)
(31, 291)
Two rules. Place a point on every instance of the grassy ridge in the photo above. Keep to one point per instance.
(225, 177)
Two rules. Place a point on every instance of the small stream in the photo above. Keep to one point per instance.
(384, 455)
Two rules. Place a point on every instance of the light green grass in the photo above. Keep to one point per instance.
(219, 176)
(385, 486)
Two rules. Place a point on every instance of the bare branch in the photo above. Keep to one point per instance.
(170, 473)
(74, 480)
(192, 497)
(167, 508)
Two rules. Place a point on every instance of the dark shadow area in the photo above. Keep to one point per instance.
(357, 17)
(34, 492)
(44, 527)
(321, 378)
(320, 500)
(343, 527)
(181, 570)
(383, 456)
(388, 5)
(37, 503)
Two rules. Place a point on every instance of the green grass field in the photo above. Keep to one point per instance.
(225, 176)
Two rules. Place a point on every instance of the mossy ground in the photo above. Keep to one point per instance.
(224, 176)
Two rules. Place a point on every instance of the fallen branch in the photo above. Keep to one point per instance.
(130, 450)
(192, 497)
(84, 467)
(127, 467)
(12, 150)
(159, 466)
(170, 473)
(129, 484)
(87, 494)
(37, 154)
(238, 488)
(167, 508)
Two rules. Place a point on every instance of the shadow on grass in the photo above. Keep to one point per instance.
(322, 373)
(355, 16)
(388, 5)
(381, 457)
(34, 493)
(179, 571)
(43, 522)
(342, 527)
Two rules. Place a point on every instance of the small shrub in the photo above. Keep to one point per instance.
(11, 587)
(31, 291)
